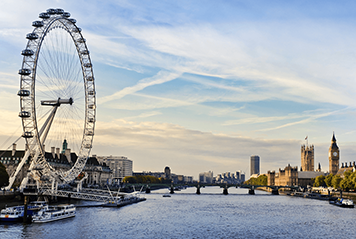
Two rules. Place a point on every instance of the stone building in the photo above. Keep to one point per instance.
(307, 158)
(121, 166)
(287, 176)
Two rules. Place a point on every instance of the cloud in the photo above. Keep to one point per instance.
(154, 145)
(160, 78)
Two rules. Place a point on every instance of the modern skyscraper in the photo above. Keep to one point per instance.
(334, 156)
(307, 153)
(255, 164)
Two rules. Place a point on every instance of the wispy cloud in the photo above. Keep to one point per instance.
(160, 78)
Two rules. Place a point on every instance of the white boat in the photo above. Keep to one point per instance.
(343, 202)
(54, 213)
(16, 213)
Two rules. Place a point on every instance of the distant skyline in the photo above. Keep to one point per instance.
(203, 85)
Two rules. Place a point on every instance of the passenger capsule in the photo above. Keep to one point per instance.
(81, 40)
(66, 14)
(59, 11)
(27, 52)
(91, 92)
(87, 146)
(24, 72)
(91, 120)
(44, 15)
(87, 65)
(90, 133)
(23, 93)
(51, 11)
(37, 24)
(72, 20)
(24, 114)
(27, 135)
(77, 29)
(85, 52)
(91, 106)
(90, 78)
(32, 36)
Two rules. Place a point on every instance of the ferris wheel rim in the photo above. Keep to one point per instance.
(27, 91)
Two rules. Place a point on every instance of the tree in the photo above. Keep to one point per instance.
(328, 180)
(335, 182)
(4, 176)
(319, 181)
(261, 180)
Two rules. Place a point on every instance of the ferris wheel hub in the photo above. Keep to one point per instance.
(57, 102)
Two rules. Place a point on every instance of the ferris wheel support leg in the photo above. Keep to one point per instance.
(25, 179)
(47, 125)
(43, 135)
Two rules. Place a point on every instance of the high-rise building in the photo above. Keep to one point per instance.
(206, 177)
(167, 173)
(334, 156)
(255, 164)
(307, 162)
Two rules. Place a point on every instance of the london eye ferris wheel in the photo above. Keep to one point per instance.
(57, 96)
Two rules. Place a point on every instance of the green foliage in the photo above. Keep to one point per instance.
(348, 182)
(261, 180)
(143, 179)
(319, 181)
(328, 180)
(4, 176)
(335, 182)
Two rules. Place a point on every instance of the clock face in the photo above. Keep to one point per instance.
(335, 154)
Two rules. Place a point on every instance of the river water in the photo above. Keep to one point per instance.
(209, 215)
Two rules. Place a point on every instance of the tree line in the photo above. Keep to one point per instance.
(261, 180)
(145, 179)
(4, 176)
(336, 181)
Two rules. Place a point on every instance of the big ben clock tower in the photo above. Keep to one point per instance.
(334, 155)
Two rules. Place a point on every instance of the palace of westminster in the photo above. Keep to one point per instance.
(291, 176)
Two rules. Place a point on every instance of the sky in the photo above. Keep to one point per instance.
(203, 85)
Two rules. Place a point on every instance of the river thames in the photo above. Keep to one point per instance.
(209, 215)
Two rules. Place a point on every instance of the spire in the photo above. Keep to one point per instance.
(333, 139)
(65, 146)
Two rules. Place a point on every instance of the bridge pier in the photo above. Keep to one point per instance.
(172, 190)
(225, 191)
(251, 192)
(148, 189)
(198, 190)
(275, 192)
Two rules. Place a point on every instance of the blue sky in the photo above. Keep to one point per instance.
(202, 85)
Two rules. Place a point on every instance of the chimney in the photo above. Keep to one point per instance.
(342, 165)
(354, 164)
(67, 153)
(52, 151)
(345, 164)
(57, 152)
(350, 164)
(13, 150)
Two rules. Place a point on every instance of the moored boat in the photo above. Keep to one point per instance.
(343, 202)
(16, 213)
(123, 201)
(54, 213)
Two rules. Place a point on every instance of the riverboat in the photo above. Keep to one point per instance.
(54, 213)
(16, 213)
(343, 202)
(123, 201)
